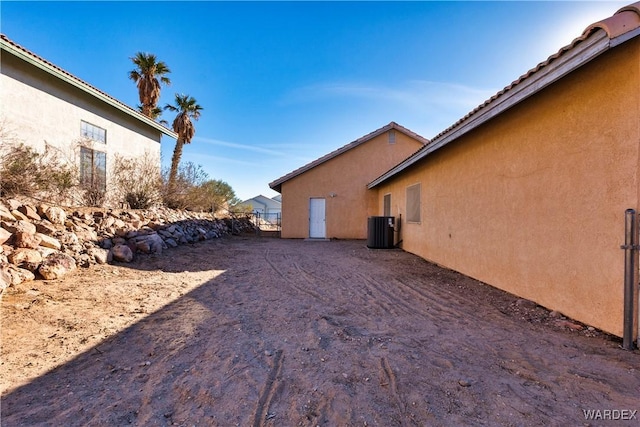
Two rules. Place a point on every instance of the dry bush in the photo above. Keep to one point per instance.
(27, 172)
(213, 195)
(181, 195)
(137, 182)
(194, 190)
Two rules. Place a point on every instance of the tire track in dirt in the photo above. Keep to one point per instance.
(428, 300)
(292, 283)
(388, 379)
(261, 414)
(380, 295)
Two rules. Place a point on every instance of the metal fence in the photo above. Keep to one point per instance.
(267, 221)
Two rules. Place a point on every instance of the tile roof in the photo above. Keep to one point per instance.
(10, 46)
(276, 185)
(596, 38)
(624, 21)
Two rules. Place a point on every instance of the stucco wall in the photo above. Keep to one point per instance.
(37, 107)
(346, 176)
(533, 201)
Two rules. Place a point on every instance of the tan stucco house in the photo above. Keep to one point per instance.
(328, 198)
(42, 103)
(528, 192)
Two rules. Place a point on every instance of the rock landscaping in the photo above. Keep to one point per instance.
(39, 241)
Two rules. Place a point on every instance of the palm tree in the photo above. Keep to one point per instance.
(146, 76)
(155, 114)
(187, 109)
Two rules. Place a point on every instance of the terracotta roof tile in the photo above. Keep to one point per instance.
(623, 24)
(623, 21)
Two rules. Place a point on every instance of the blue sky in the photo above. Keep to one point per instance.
(283, 83)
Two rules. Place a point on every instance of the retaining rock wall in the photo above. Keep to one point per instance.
(39, 241)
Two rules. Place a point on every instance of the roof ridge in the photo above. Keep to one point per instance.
(347, 147)
(624, 20)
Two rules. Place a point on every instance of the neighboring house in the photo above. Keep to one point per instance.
(267, 212)
(328, 197)
(41, 104)
(263, 205)
(528, 192)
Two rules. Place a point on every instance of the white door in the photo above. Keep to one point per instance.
(317, 228)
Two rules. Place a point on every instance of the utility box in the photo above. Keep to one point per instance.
(380, 231)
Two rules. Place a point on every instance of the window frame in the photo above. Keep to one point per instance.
(392, 136)
(414, 203)
(93, 132)
(386, 204)
(93, 168)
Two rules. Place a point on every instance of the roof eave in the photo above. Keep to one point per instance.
(536, 80)
(276, 185)
(8, 47)
(597, 38)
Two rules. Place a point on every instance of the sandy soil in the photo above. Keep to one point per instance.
(265, 332)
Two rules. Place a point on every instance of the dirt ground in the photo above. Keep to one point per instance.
(248, 331)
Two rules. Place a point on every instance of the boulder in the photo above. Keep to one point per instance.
(20, 226)
(83, 260)
(5, 278)
(89, 235)
(45, 252)
(27, 240)
(5, 214)
(69, 239)
(42, 209)
(18, 275)
(30, 212)
(48, 241)
(5, 235)
(27, 258)
(150, 243)
(13, 204)
(45, 227)
(56, 215)
(56, 266)
(106, 243)
(100, 256)
(122, 253)
(19, 215)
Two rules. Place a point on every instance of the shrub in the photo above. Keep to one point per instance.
(181, 195)
(137, 182)
(27, 172)
(92, 195)
(194, 190)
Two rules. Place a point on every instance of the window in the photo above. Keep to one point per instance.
(387, 205)
(413, 203)
(392, 136)
(94, 133)
(93, 168)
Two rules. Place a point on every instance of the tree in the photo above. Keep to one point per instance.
(155, 115)
(216, 195)
(146, 76)
(187, 109)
